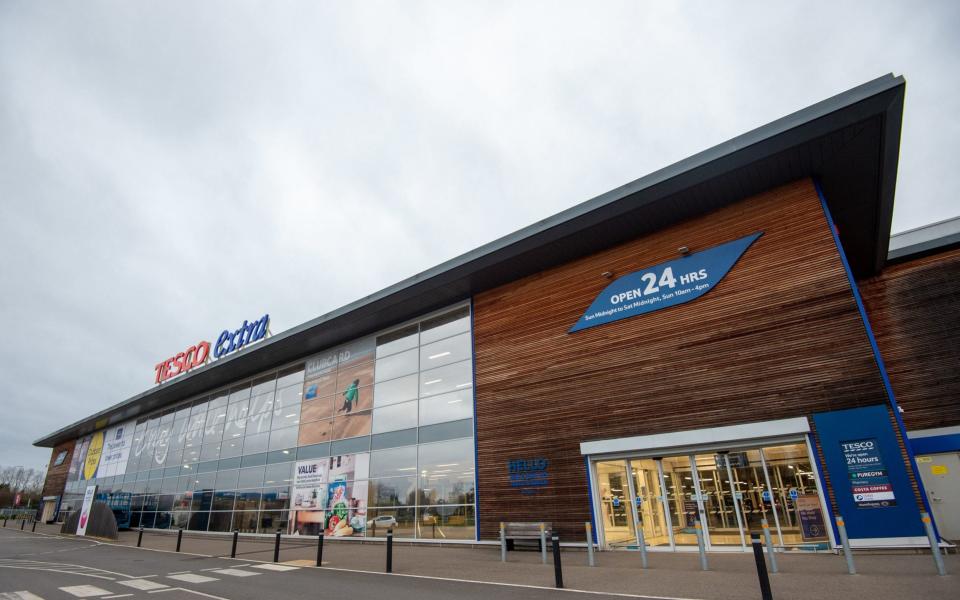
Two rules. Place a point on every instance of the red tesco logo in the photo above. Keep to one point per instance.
(182, 362)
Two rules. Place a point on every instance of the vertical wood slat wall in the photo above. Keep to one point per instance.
(914, 309)
(780, 336)
(56, 479)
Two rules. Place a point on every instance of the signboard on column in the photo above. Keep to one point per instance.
(868, 474)
(85, 509)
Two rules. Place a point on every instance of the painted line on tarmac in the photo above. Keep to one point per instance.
(189, 591)
(504, 584)
(497, 583)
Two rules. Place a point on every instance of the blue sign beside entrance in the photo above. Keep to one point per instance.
(867, 471)
(667, 284)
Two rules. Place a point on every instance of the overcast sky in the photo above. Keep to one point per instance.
(169, 169)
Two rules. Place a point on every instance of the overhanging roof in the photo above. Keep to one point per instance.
(914, 243)
(850, 143)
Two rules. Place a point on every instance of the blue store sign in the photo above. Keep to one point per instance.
(867, 473)
(664, 285)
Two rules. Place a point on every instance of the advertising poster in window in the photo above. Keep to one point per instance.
(79, 458)
(347, 495)
(310, 484)
(85, 509)
(117, 442)
(812, 526)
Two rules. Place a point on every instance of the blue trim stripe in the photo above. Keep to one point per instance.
(593, 514)
(936, 444)
(876, 354)
(476, 456)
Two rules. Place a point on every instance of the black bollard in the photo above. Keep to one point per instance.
(23, 523)
(233, 549)
(557, 568)
(34, 528)
(140, 536)
(179, 538)
(4, 521)
(276, 548)
(765, 592)
(390, 551)
(320, 549)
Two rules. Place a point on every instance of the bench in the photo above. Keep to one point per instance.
(525, 531)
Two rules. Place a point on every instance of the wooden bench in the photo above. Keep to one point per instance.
(525, 531)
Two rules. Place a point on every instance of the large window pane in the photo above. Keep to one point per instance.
(447, 407)
(254, 444)
(351, 425)
(446, 457)
(446, 488)
(263, 385)
(250, 477)
(397, 365)
(404, 517)
(283, 438)
(396, 461)
(445, 325)
(248, 500)
(458, 376)
(239, 393)
(223, 500)
(227, 480)
(315, 433)
(445, 352)
(290, 376)
(286, 416)
(398, 416)
(231, 447)
(395, 491)
(395, 391)
(316, 409)
(446, 522)
(397, 341)
(279, 474)
(276, 498)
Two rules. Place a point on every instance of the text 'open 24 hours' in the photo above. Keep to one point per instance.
(664, 285)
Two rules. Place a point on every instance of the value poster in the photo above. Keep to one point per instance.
(310, 484)
(85, 509)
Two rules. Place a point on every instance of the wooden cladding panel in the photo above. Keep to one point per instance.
(779, 336)
(56, 479)
(914, 309)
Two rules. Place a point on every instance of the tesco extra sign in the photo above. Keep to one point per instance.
(197, 355)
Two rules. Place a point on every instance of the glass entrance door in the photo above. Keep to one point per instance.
(729, 490)
(613, 486)
(648, 502)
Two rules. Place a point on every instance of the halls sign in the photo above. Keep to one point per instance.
(197, 355)
(667, 284)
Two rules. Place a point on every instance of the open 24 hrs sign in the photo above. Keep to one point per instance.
(667, 284)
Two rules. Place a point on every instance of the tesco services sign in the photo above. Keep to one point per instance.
(197, 355)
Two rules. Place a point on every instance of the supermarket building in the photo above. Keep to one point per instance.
(731, 338)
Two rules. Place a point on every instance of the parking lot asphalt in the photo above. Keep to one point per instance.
(45, 564)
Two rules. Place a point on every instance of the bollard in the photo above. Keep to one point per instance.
(769, 540)
(846, 545)
(4, 521)
(390, 550)
(761, 567)
(589, 528)
(503, 543)
(320, 549)
(701, 545)
(140, 536)
(543, 543)
(643, 546)
(276, 548)
(179, 538)
(23, 523)
(934, 546)
(233, 548)
(557, 567)
(34, 528)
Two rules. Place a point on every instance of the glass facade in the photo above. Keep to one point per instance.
(372, 434)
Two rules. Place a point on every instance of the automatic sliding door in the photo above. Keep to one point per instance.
(649, 508)
(614, 494)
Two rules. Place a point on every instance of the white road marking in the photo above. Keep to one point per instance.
(117, 596)
(24, 595)
(236, 572)
(142, 584)
(189, 591)
(192, 578)
(85, 591)
(275, 567)
(177, 572)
